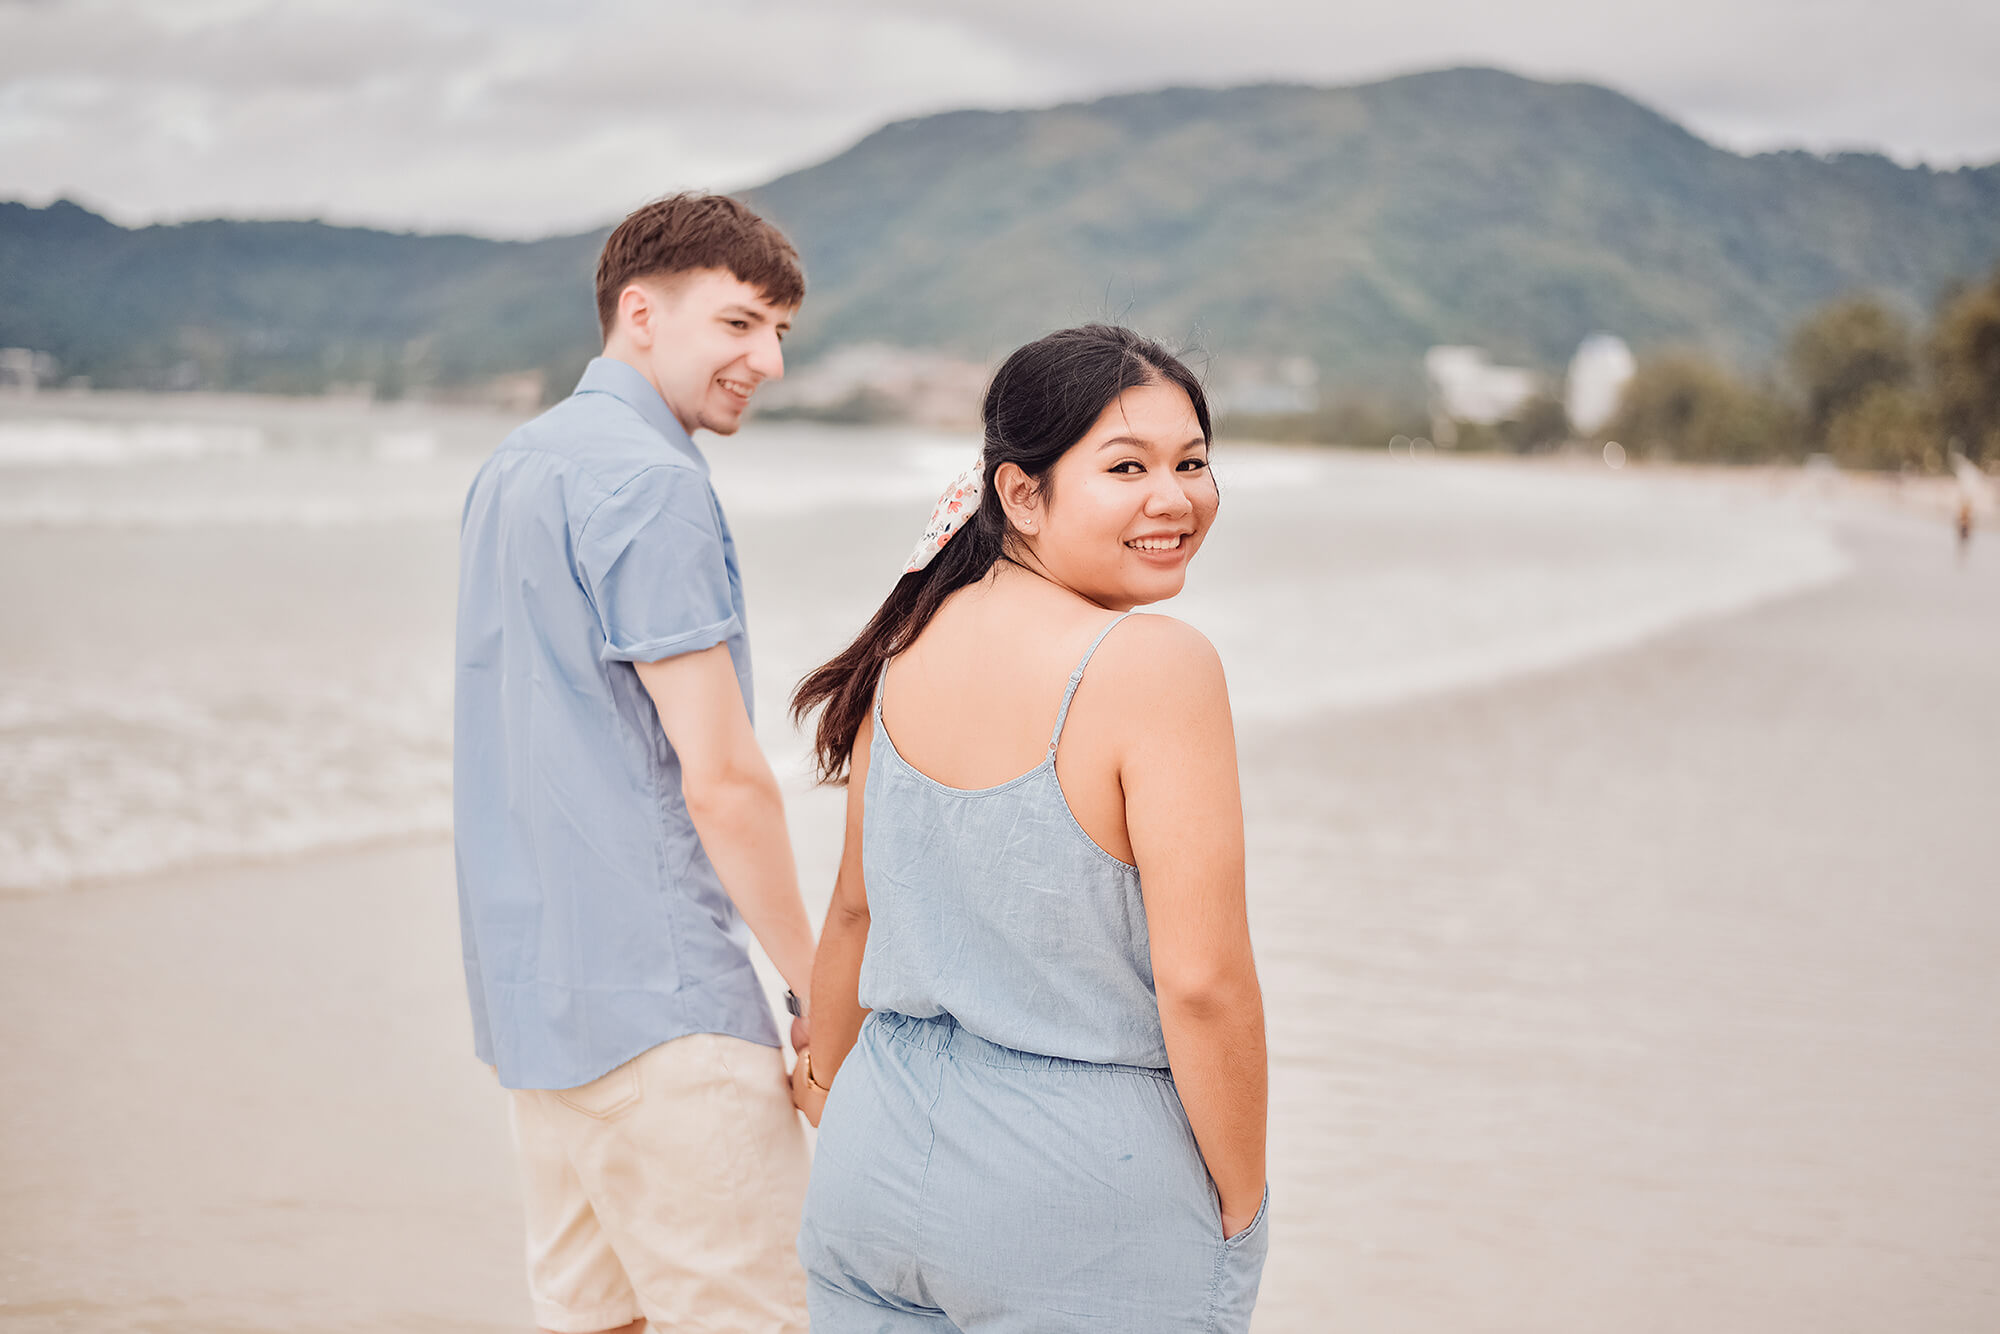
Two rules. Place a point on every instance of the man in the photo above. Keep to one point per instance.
(617, 826)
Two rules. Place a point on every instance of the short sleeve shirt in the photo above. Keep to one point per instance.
(594, 926)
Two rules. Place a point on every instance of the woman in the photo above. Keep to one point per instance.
(1053, 1114)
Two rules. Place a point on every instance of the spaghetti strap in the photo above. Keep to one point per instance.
(1076, 678)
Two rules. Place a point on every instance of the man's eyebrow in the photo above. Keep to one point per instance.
(745, 312)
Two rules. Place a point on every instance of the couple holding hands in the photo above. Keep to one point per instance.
(1030, 1033)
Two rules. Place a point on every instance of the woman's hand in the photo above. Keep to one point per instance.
(807, 1096)
(1235, 1220)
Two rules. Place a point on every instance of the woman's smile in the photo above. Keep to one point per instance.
(1163, 548)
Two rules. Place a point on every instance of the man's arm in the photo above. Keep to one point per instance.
(733, 798)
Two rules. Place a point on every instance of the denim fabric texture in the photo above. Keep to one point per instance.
(992, 905)
(593, 925)
(1004, 1149)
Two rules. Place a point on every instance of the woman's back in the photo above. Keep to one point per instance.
(972, 703)
(989, 900)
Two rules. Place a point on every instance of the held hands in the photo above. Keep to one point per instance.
(807, 1096)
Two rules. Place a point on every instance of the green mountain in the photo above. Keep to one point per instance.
(1355, 225)
(287, 306)
(1361, 225)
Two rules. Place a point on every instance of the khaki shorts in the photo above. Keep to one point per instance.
(669, 1188)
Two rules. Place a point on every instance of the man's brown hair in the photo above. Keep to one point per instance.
(685, 232)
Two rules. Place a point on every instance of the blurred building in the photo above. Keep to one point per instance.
(1463, 386)
(879, 382)
(24, 370)
(1598, 374)
(1287, 386)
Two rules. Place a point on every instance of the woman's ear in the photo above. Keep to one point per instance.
(1019, 496)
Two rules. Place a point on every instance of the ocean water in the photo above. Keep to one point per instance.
(227, 621)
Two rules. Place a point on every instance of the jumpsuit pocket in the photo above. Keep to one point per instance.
(1256, 1223)
(1239, 1268)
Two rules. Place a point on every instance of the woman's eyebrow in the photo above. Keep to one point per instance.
(1143, 443)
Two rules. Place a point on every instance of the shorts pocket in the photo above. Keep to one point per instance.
(607, 1096)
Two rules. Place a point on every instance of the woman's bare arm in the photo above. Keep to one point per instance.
(1184, 812)
(835, 1007)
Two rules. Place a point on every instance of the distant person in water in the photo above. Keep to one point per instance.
(1038, 1039)
(616, 824)
(1964, 526)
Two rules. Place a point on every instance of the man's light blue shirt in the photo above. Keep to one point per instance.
(594, 926)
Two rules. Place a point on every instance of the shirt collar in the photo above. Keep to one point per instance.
(608, 375)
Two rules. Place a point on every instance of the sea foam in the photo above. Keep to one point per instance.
(291, 690)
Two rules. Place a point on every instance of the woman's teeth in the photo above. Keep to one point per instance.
(1156, 543)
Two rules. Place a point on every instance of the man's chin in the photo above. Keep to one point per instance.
(724, 420)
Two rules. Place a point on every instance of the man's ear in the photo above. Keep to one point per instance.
(637, 308)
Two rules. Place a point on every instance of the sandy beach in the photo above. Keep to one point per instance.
(1656, 993)
(1653, 991)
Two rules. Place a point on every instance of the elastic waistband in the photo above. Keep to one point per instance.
(945, 1036)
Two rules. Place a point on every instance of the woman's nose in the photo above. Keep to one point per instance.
(1169, 498)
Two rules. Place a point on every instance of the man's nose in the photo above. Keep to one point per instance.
(768, 358)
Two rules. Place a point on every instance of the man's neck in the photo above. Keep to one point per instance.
(639, 364)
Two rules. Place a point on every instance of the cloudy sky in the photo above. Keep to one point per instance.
(520, 118)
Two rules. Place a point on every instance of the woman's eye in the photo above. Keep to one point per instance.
(1193, 465)
(1128, 467)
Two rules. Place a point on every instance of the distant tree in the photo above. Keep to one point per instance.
(1683, 406)
(1356, 419)
(1890, 427)
(1842, 354)
(1964, 356)
(1540, 423)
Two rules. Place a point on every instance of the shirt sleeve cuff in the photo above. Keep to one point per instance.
(652, 650)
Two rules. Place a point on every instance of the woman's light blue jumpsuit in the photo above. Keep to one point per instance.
(1004, 1149)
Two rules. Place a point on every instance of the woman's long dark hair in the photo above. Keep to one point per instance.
(1042, 401)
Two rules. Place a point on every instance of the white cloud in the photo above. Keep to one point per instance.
(520, 118)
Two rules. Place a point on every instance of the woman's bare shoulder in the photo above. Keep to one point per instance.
(1151, 655)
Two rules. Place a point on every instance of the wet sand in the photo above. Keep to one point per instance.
(1658, 993)
(1654, 993)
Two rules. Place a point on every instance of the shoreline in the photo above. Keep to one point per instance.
(1387, 684)
(1577, 455)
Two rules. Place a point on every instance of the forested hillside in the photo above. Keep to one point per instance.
(1355, 226)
